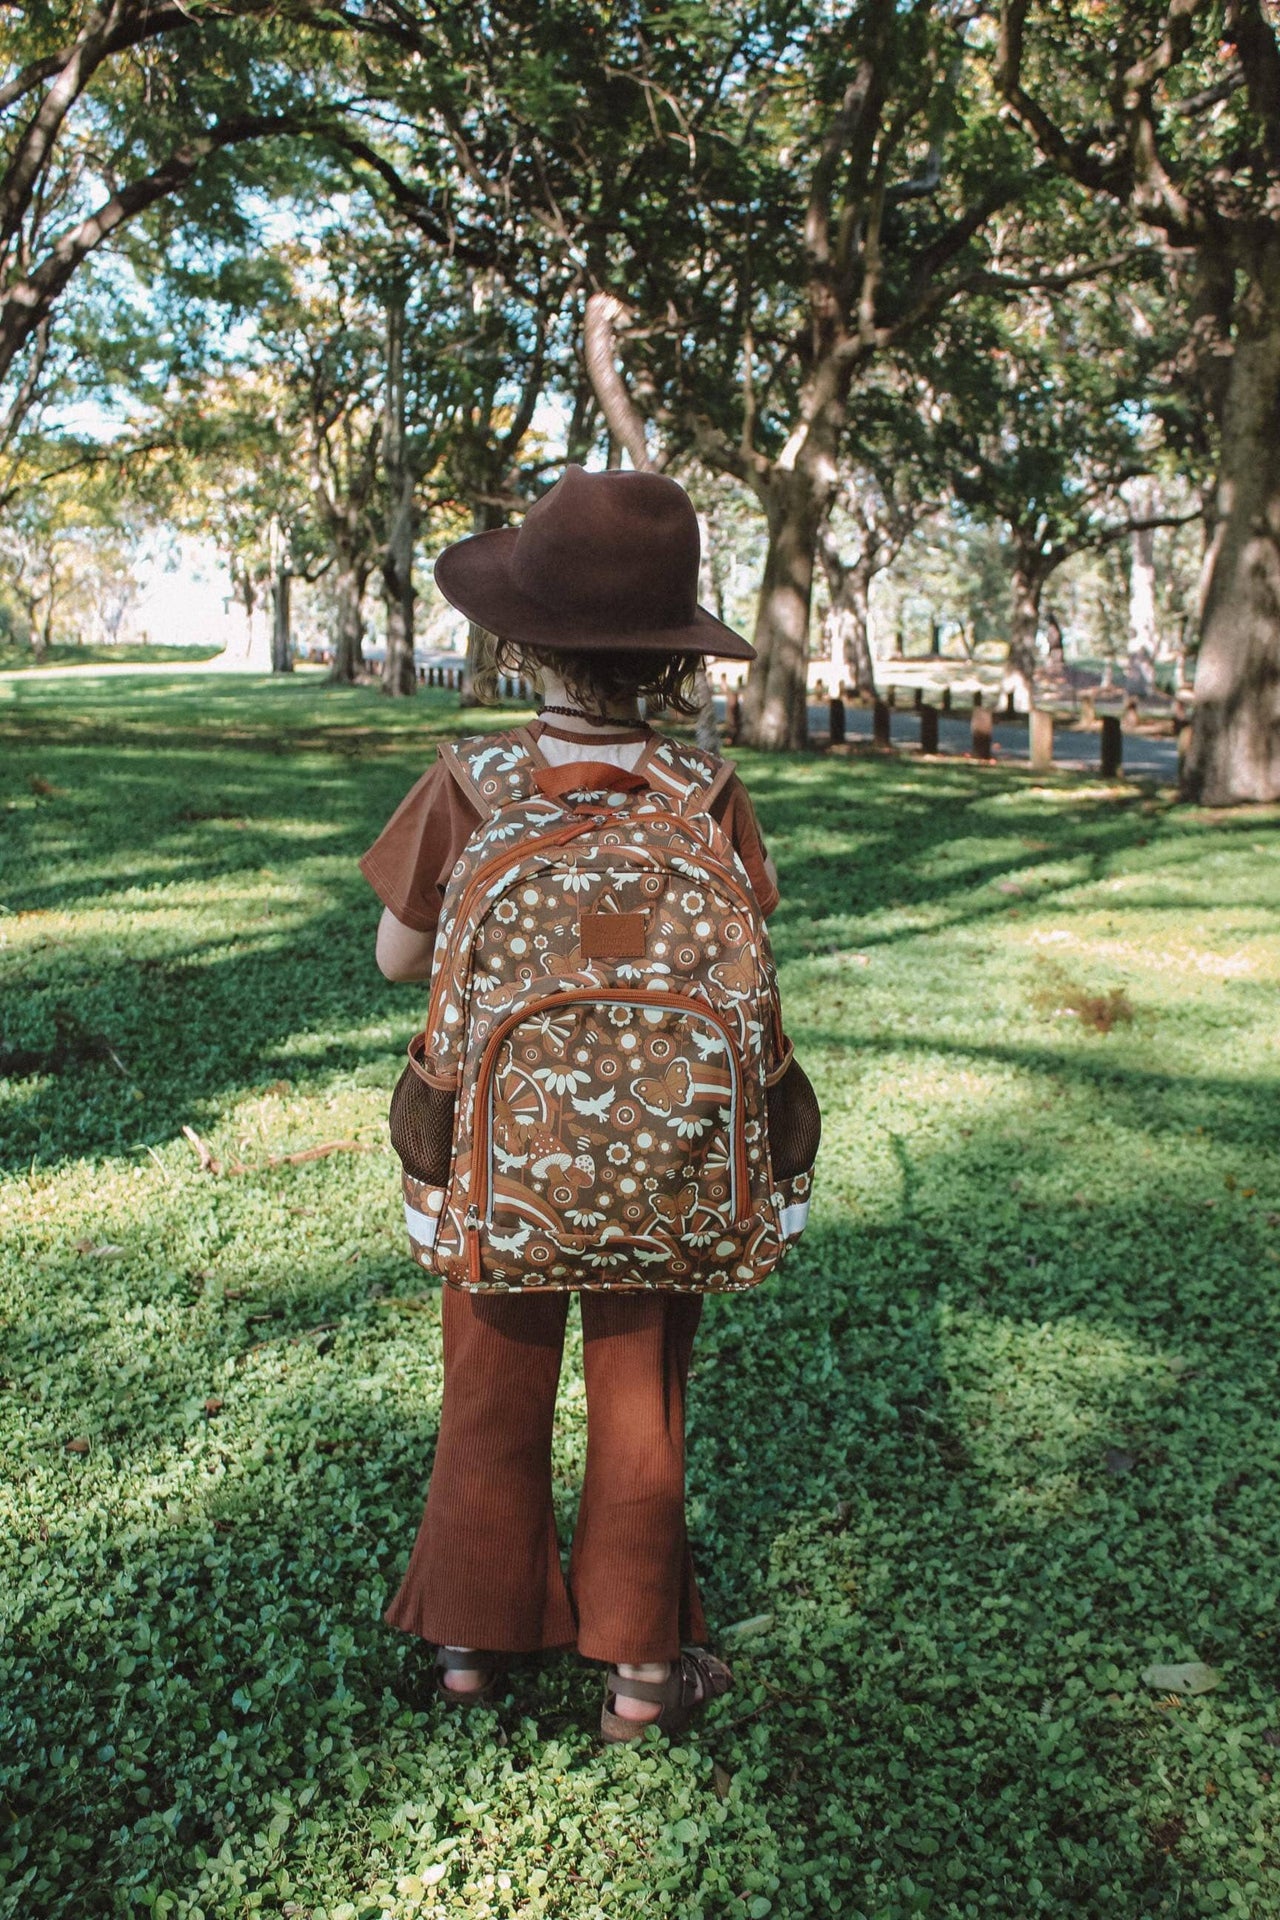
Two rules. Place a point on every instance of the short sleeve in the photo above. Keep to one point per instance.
(733, 809)
(410, 861)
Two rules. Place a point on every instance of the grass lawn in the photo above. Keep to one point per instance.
(999, 1439)
(65, 653)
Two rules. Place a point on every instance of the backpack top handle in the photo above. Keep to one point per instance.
(586, 776)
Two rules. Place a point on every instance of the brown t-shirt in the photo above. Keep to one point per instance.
(411, 860)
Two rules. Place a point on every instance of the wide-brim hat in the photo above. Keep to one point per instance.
(603, 562)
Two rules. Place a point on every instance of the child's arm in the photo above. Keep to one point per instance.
(402, 952)
(407, 867)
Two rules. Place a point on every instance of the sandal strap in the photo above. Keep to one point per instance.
(656, 1691)
(697, 1667)
(454, 1660)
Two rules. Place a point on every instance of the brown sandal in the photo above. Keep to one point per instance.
(678, 1695)
(450, 1660)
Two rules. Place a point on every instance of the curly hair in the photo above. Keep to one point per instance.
(601, 680)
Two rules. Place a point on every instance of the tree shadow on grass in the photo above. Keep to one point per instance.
(194, 1010)
(948, 1450)
(976, 1486)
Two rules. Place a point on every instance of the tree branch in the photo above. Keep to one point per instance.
(26, 302)
(600, 341)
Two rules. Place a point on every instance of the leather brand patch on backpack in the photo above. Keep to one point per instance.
(612, 936)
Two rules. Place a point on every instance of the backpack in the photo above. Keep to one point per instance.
(603, 1096)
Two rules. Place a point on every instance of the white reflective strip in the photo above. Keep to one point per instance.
(792, 1219)
(423, 1227)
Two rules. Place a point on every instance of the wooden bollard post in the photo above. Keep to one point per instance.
(1112, 746)
(835, 707)
(880, 724)
(946, 699)
(733, 713)
(1040, 729)
(980, 731)
(1087, 715)
(928, 729)
(919, 699)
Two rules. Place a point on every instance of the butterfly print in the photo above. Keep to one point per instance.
(665, 1093)
(674, 1208)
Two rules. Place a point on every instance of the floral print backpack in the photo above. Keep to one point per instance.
(603, 1095)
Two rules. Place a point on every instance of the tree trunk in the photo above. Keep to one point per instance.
(777, 699)
(1026, 584)
(348, 633)
(398, 673)
(480, 674)
(282, 618)
(849, 626)
(1234, 755)
(1141, 671)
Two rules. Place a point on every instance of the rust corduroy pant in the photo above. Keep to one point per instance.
(485, 1568)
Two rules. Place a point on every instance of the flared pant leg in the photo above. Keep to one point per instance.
(630, 1570)
(485, 1568)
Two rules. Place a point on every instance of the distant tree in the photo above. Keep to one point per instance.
(1041, 419)
(840, 171)
(67, 551)
(1173, 113)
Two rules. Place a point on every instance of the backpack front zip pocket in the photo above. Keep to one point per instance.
(625, 1134)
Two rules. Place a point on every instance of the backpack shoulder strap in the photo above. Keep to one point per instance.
(689, 777)
(493, 769)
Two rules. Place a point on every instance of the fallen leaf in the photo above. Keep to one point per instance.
(99, 1249)
(42, 787)
(213, 1404)
(721, 1780)
(80, 1445)
(1186, 1676)
(744, 1629)
(1271, 1736)
(1118, 1461)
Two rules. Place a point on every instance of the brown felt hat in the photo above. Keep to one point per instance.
(603, 562)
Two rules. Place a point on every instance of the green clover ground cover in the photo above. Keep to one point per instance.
(999, 1439)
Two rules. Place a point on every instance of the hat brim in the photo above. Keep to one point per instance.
(474, 576)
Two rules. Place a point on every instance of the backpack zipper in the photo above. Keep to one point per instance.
(481, 1144)
(511, 856)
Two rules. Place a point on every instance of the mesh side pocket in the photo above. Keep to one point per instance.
(421, 1122)
(795, 1121)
